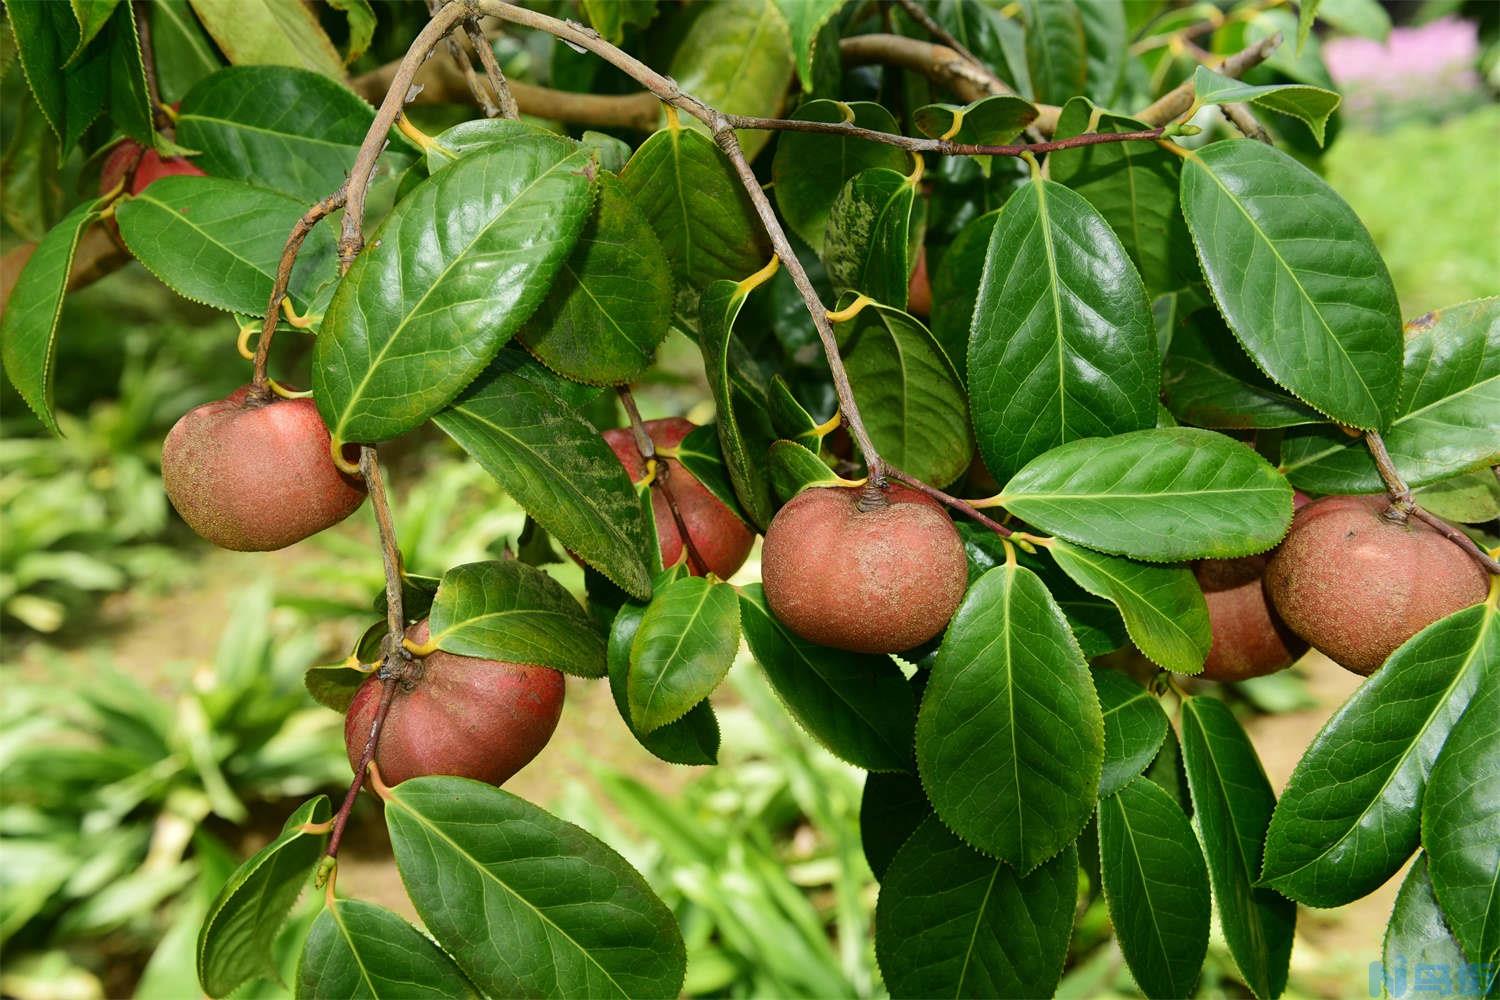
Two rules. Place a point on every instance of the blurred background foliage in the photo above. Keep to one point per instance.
(155, 729)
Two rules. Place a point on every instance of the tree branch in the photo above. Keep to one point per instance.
(940, 147)
(962, 506)
(310, 219)
(1179, 99)
(919, 14)
(1402, 503)
(1463, 541)
(492, 72)
(1242, 118)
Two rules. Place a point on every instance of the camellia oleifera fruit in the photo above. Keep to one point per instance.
(1249, 638)
(254, 474)
(1356, 584)
(718, 534)
(142, 166)
(870, 572)
(463, 716)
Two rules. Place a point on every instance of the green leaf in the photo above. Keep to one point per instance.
(613, 153)
(868, 243)
(793, 468)
(699, 453)
(1056, 52)
(46, 34)
(1010, 739)
(1163, 607)
(334, 686)
(891, 808)
(1461, 824)
(129, 101)
(235, 942)
(1106, 39)
(1134, 728)
(483, 135)
(611, 305)
(361, 17)
(559, 912)
(742, 439)
(272, 32)
(910, 397)
(809, 170)
(184, 55)
(692, 739)
(952, 922)
(556, 466)
(805, 19)
(1298, 279)
(736, 57)
(955, 288)
(990, 121)
(1350, 815)
(28, 332)
(1418, 937)
(1450, 396)
(857, 705)
(1307, 12)
(683, 648)
(290, 130)
(1365, 18)
(1209, 381)
(358, 949)
(1156, 887)
(1310, 105)
(509, 611)
(428, 303)
(219, 241)
(1062, 345)
(692, 197)
(1160, 495)
(1471, 498)
(1232, 803)
(92, 16)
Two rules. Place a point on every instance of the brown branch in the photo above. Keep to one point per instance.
(1242, 118)
(663, 479)
(919, 14)
(388, 686)
(1179, 99)
(258, 384)
(938, 63)
(492, 72)
(940, 147)
(962, 506)
(1458, 538)
(1402, 503)
(462, 63)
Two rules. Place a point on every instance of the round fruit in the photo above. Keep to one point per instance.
(254, 475)
(919, 287)
(1250, 640)
(871, 581)
(720, 537)
(142, 166)
(1357, 585)
(464, 716)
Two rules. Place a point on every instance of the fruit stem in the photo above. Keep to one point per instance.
(1402, 503)
(962, 506)
(388, 686)
(1463, 541)
(661, 480)
(259, 385)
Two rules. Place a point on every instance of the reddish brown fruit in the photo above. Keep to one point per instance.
(254, 476)
(919, 287)
(1250, 639)
(465, 716)
(876, 581)
(142, 166)
(1357, 585)
(720, 537)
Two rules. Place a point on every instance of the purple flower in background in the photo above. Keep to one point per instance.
(1412, 64)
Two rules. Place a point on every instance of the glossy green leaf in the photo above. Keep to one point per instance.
(1469, 499)
(1062, 344)
(184, 55)
(692, 739)
(509, 611)
(689, 192)
(955, 288)
(1449, 418)
(742, 439)
(788, 417)
(556, 466)
(484, 134)
(1350, 815)
(857, 705)
(1160, 495)
(613, 153)
(1310, 105)
(1106, 42)
(683, 648)
(737, 57)
(793, 468)
(558, 912)
(334, 686)
(235, 942)
(129, 98)
(92, 16)
(1010, 740)
(810, 170)
(1134, 727)
(1232, 804)
(891, 808)
(700, 454)
(1056, 51)
(291, 130)
(1298, 279)
(951, 922)
(1209, 381)
(270, 32)
(805, 19)
(437, 292)
(908, 394)
(868, 239)
(1418, 936)
(219, 241)
(1163, 607)
(1168, 773)
(1156, 887)
(610, 17)
(611, 304)
(46, 35)
(359, 950)
(990, 121)
(28, 332)
(1461, 824)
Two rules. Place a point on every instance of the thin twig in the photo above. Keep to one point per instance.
(461, 61)
(388, 686)
(919, 14)
(1402, 503)
(492, 71)
(663, 478)
(962, 506)
(1179, 99)
(310, 219)
(1242, 118)
(1458, 538)
(940, 147)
